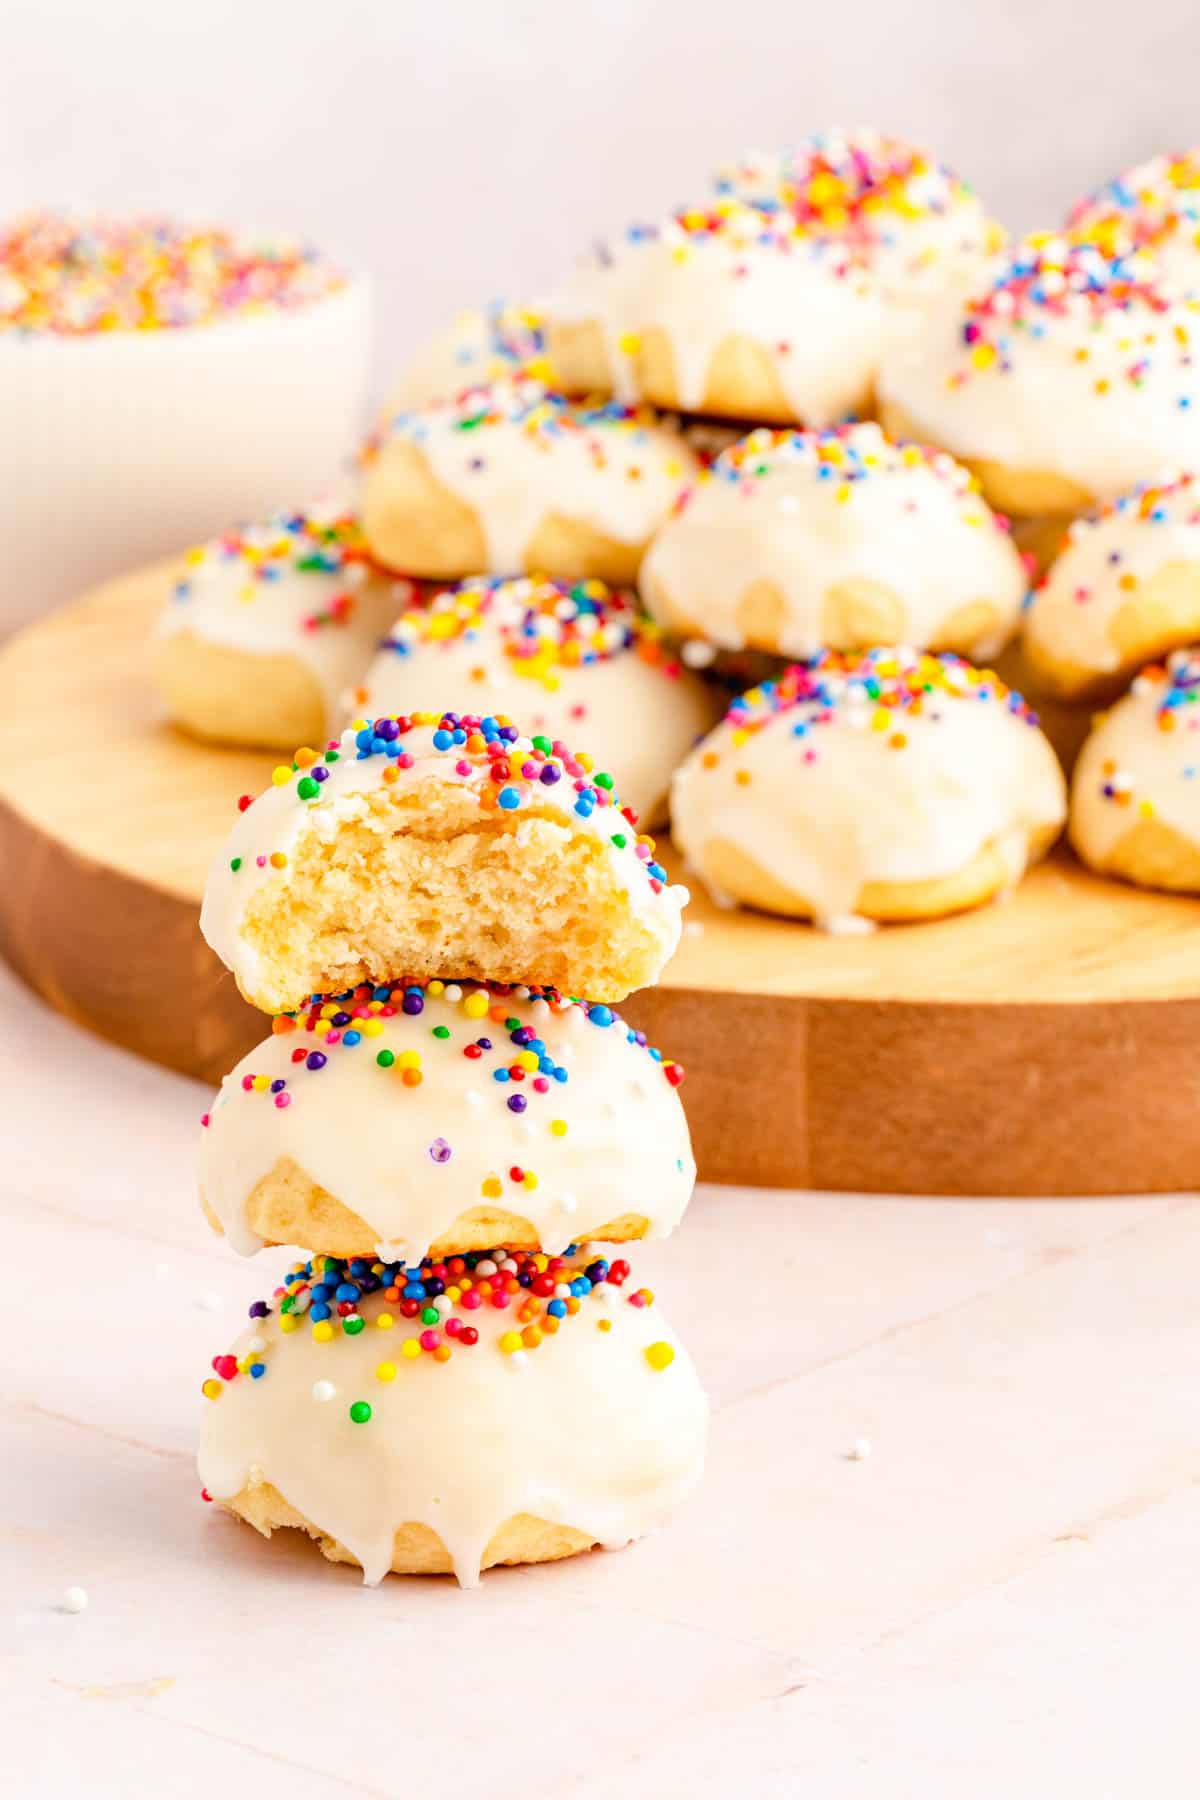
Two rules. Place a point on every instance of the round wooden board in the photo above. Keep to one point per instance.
(1042, 1046)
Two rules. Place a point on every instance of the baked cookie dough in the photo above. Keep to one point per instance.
(426, 843)
(1124, 590)
(918, 226)
(513, 478)
(578, 661)
(480, 346)
(268, 625)
(797, 540)
(738, 311)
(450, 1416)
(1155, 207)
(886, 786)
(1135, 798)
(447, 1116)
(1063, 379)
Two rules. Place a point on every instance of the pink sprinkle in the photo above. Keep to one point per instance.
(282, 1100)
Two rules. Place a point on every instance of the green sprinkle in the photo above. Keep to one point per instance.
(619, 839)
(604, 781)
(236, 864)
(331, 756)
(430, 1315)
(307, 788)
(385, 1059)
(441, 1031)
(287, 1303)
(543, 744)
(353, 1325)
(360, 1412)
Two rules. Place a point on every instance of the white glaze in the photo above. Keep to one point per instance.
(634, 709)
(1107, 559)
(480, 345)
(1155, 204)
(279, 821)
(751, 279)
(251, 591)
(365, 1137)
(1045, 412)
(1151, 773)
(580, 1432)
(808, 513)
(838, 807)
(532, 454)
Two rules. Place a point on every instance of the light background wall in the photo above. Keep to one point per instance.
(461, 149)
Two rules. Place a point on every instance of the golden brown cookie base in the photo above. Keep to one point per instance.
(1023, 492)
(987, 874)
(1161, 614)
(226, 695)
(1151, 854)
(417, 1550)
(288, 1207)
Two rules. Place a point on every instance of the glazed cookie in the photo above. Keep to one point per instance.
(1155, 206)
(447, 1117)
(446, 1417)
(1125, 589)
(738, 311)
(1062, 380)
(481, 346)
(918, 227)
(512, 478)
(891, 785)
(268, 625)
(419, 844)
(1135, 798)
(796, 540)
(579, 662)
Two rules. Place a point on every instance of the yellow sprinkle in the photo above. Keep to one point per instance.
(603, 1324)
(1146, 809)
(530, 1180)
(410, 1348)
(386, 1371)
(475, 1006)
(660, 1355)
(384, 1322)
(278, 859)
(261, 1083)
(212, 1388)
(436, 987)
(881, 719)
(491, 1188)
(558, 1127)
(409, 1059)
(328, 1010)
(510, 1341)
(322, 1331)
(528, 1061)
(289, 1322)
(280, 775)
(372, 1027)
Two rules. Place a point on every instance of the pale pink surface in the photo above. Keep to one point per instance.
(1000, 1600)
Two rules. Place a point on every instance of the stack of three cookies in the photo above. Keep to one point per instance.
(462, 1369)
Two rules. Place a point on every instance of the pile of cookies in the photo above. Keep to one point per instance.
(808, 438)
(462, 1368)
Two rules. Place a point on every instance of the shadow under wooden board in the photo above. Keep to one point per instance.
(1046, 1045)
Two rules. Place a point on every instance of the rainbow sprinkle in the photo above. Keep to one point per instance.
(76, 277)
(545, 419)
(1149, 207)
(288, 543)
(439, 1300)
(544, 626)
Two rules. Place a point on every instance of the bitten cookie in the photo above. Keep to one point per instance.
(267, 627)
(577, 661)
(425, 843)
(1063, 379)
(797, 540)
(480, 346)
(891, 785)
(512, 478)
(1135, 798)
(1154, 206)
(447, 1417)
(447, 1117)
(918, 226)
(739, 311)
(1125, 590)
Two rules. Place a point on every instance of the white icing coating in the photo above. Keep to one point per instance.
(1042, 371)
(1107, 559)
(705, 275)
(1154, 206)
(531, 649)
(279, 820)
(480, 345)
(841, 789)
(918, 226)
(602, 1131)
(299, 585)
(582, 1431)
(809, 512)
(517, 453)
(1132, 768)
